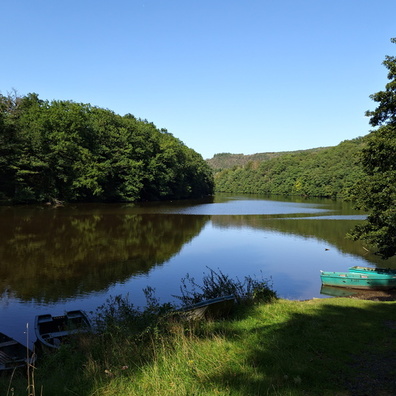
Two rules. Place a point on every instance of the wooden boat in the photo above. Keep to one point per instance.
(213, 308)
(357, 280)
(372, 270)
(52, 331)
(13, 354)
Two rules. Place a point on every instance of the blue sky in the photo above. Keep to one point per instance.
(238, 76)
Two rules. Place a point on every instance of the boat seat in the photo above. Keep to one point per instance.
(45, 318)
(4, 358)
(56, 334)
(74, 314)
(8, 343)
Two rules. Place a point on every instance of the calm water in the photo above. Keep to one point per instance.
(75, 257)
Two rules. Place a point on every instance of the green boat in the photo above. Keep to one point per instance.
(359, 280)
(372, 270)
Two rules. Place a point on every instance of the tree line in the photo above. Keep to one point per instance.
(322, 172)
(67, 151)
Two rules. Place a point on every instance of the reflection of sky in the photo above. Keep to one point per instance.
(334, 217)
(249, 207)
(293, 262)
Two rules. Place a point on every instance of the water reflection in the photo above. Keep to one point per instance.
(332, 231)
(74, 257)
(338, 291)
(47, 255)
(250, 207)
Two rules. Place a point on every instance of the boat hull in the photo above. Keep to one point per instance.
(357, 280)
(13, 354)
(209, 309)
(52, 331)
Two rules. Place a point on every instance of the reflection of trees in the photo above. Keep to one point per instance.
(332, 231)
(52, 254)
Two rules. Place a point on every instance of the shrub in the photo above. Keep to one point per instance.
(216, 284)
(118, 315)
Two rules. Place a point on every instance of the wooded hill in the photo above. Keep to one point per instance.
(67, 151)
(321, 172)
(227, 160)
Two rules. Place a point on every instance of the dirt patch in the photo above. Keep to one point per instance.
(389, 295)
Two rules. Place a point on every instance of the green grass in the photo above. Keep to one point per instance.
(321, 347)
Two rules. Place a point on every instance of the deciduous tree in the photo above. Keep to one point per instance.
(377, 191)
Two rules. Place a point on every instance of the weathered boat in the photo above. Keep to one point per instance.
(359, 280)
(213, 308)
(373, 270)
(13, 354)
(52, 331)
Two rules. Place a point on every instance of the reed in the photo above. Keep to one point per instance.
(19, 380)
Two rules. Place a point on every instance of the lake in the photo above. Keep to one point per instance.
(77, 256)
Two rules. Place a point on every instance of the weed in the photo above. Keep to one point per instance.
(216, 284)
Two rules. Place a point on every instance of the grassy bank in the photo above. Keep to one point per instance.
(332, 347)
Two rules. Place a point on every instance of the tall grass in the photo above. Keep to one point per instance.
(216, 284)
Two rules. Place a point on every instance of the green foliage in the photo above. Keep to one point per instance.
(119, 317)
(67, 151)
(216, 284)
(327, 172)
(385, 113)
(376, 192)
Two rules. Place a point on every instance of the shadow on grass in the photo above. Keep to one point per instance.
(330, 348)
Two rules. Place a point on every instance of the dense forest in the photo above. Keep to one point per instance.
(322, 172)
(67, 151)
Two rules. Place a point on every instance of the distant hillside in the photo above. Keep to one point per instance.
(227, 160)
(321, 172)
